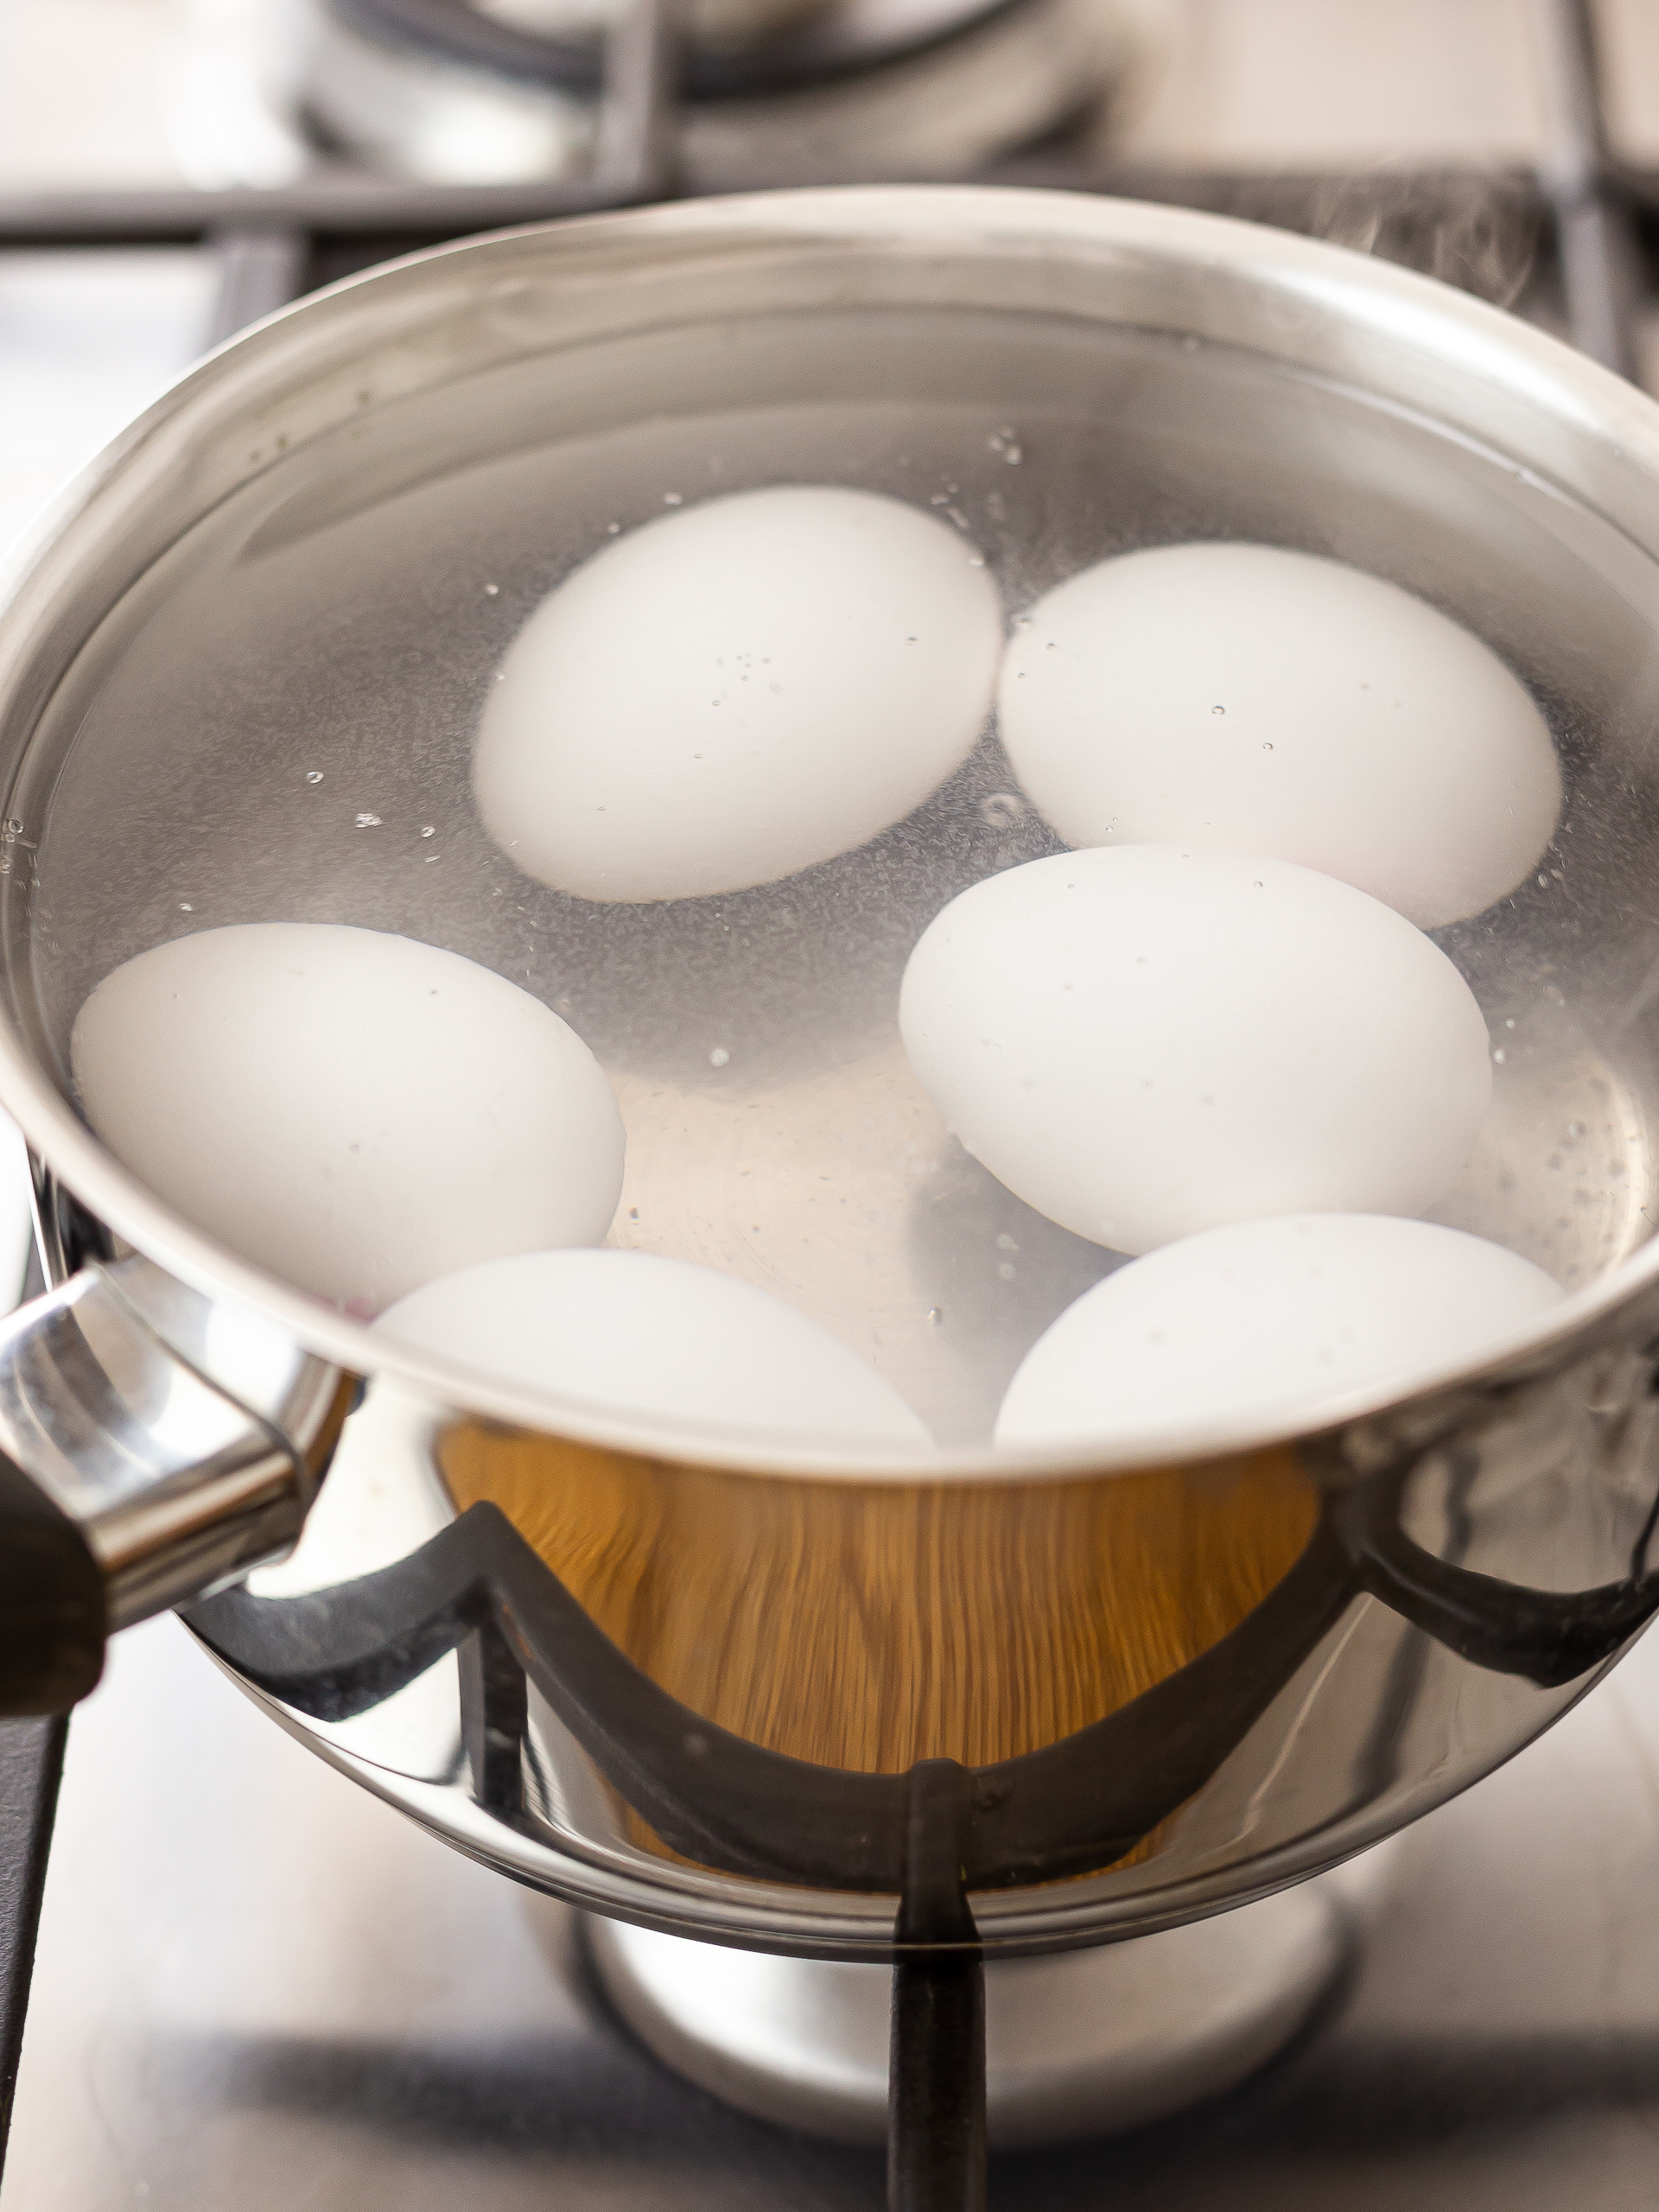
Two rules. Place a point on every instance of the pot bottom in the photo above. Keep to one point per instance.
(1078, 2044)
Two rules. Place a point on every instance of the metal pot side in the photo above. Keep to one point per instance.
(774, 1703)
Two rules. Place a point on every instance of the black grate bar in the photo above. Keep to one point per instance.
(638, 143)
(31, 1760)
(1595, 228)
(1479, 228)
(936, 2066)
(936, 2087)
(352, 206)
(258, 272)
(346, 206)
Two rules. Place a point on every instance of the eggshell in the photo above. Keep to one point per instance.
(640, 1334)
(735, 691)
(1264, 1315)
(1143, 1042)
(355, 1111)
(1261, 700)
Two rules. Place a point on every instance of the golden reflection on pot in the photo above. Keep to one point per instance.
(869, 1625)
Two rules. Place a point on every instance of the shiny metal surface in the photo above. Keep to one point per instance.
(722, 1689)
(1083, 2043)
(174, 1486)
(949, 98)
(271, 1377)
(748, 1658)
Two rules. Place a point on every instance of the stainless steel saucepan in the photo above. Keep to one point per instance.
(931, 1707)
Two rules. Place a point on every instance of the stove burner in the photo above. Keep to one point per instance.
(493, 91)
(832, 45)
(1079, 2044)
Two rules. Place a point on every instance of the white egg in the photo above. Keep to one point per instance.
(1143, 1042)
(640, 1334)
(352, 1110)
(737, 691)
(1261, 701)
(1265, 1315)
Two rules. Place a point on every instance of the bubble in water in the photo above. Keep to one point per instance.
(1218, 710)
(719, 1057)
(313, 775)
(936, 1314)
(1002, 809)
(429, 831)
(368, 822)
(491, 590)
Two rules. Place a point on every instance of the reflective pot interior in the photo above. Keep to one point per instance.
(276, 722)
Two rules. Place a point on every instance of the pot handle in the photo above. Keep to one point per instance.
(135, 1474)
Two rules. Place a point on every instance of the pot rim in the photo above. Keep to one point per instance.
(1307, 281)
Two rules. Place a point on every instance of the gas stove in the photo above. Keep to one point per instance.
(254, 1985)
